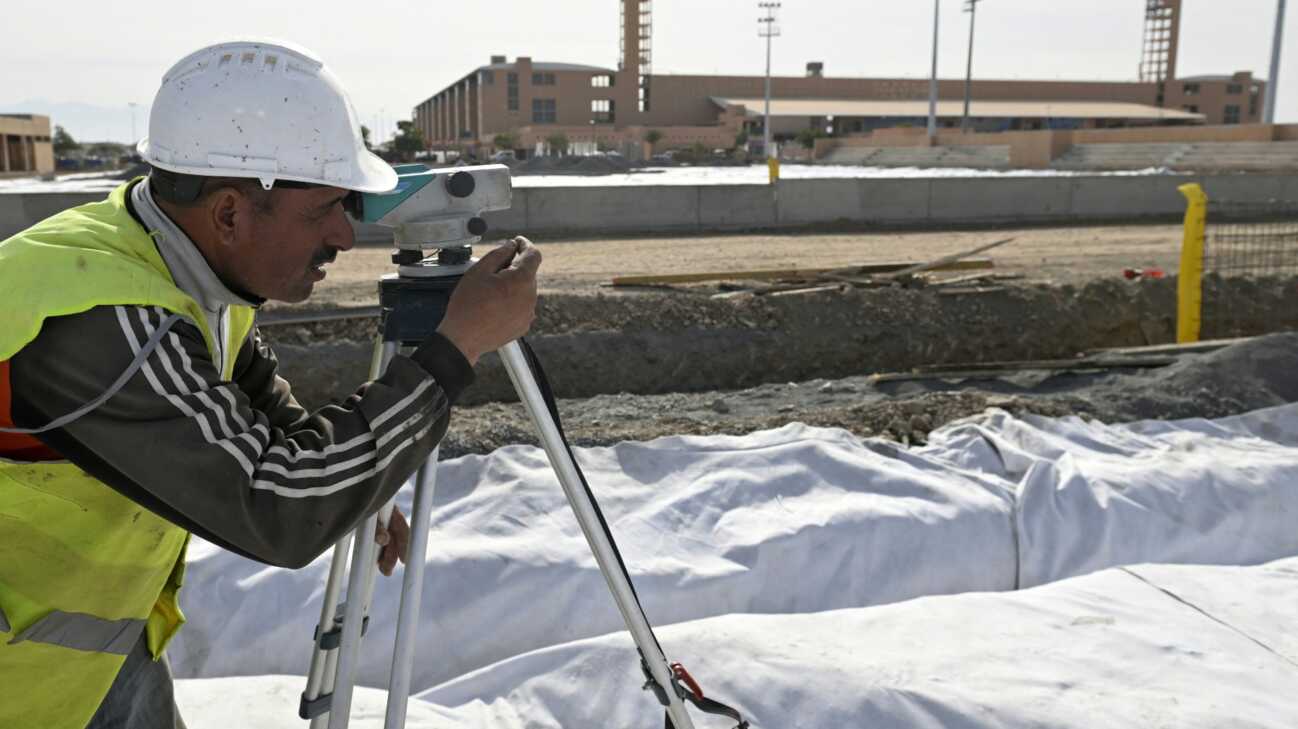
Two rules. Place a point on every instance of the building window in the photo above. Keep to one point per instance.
(1191, 108)
(543, 111)
(1190, 89)
(511, 82)
(601, 110)
(1234, 89)
(1232, 114)
(488, 78)
(542, 79)
(1252, 104)
(601, 81)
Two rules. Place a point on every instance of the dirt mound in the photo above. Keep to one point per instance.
(678, 342)
(1246, 376)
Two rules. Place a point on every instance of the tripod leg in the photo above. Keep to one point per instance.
(322, 679)
(403, 651)
(324, 661)
(605, 555)
(353, 618)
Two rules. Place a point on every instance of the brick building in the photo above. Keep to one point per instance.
(598, 107)
(25, 145)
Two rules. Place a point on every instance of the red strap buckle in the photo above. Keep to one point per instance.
(679, 671)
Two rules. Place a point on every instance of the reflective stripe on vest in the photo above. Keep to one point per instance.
(83, 632)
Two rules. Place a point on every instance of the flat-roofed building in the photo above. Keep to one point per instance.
(593, 106)
(25, 145)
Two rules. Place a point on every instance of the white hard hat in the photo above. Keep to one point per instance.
(263, 109)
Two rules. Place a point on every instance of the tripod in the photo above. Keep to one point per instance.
(413, 302)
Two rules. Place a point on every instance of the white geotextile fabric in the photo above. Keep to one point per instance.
(791, 520)
(795, 520)
(1146, 646)
(1090, 496)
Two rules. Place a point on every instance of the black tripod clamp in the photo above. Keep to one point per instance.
(413, 300)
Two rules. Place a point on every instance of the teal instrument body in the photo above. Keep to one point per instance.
(425, 195)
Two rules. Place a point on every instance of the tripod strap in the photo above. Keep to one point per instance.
(135, 365)
(693, 693)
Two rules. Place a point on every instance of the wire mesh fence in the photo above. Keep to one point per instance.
(1246, 246)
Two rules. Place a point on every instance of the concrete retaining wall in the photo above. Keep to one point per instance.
(1035, 149)
(862, 203)
(21, 210)
(859, 203)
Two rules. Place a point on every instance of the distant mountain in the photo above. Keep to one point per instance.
(86, 122)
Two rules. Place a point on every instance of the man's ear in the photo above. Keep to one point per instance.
(223, 210)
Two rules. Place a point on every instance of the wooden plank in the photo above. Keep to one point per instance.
(975, 277)
(969, 264)
(800, 292)
(969, 290)
(1050, 364)
(991, 370)
(1201, 347)
(937, 263)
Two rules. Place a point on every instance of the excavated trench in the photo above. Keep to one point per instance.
(648, 363)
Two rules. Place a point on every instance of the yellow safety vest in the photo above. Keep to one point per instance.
(83, 569)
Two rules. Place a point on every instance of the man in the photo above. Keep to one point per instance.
(141, 403)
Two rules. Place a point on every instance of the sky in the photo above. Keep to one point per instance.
(84, 62)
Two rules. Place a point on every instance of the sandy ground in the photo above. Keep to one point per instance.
(1058, 255)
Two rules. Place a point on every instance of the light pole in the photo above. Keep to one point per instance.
(932, 82)
(971, 7)
(1268, 116)
(768, 30)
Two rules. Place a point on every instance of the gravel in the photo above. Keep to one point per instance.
(1253, 374)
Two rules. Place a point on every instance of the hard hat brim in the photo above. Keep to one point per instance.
(375, 174)
(371, 173)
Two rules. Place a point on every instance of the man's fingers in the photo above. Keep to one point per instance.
(387, 560)
(395, 538)
(498, 258)
(525, 264)
(400, 531)
(528, 260)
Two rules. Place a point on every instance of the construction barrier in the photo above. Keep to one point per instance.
(1231, 234)
(1189, 286)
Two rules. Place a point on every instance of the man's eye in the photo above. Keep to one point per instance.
(352, 204)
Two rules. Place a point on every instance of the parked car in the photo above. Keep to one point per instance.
(504, 156)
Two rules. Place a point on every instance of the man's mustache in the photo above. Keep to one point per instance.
(325, 256)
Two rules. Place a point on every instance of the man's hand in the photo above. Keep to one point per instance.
(495, 302)
(395, 540)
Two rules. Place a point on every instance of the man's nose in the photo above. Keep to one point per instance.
(340, 234)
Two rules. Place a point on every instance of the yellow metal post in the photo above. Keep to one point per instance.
(1189, 284)
(772, 169)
